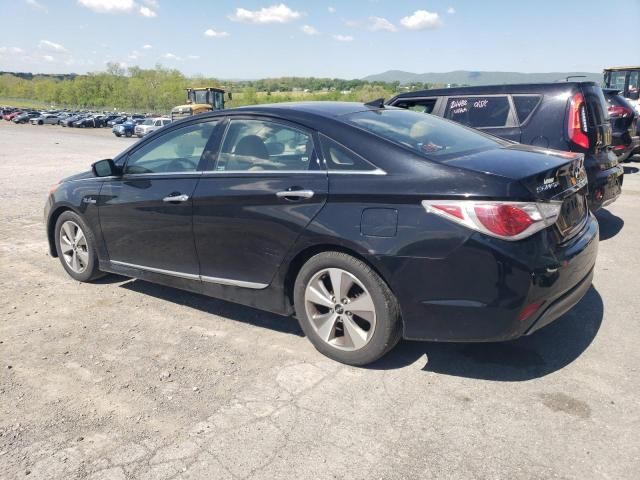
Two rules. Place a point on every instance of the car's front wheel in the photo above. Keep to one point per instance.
(346, 309)
(76, 247)
(127, 134)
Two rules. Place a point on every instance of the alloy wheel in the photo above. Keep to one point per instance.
(73, 244)
(340, 309)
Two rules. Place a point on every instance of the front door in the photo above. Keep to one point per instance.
(146, 215)
(265, 187)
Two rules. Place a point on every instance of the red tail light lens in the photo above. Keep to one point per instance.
(617, 111)
(577, 124)
(505, 220)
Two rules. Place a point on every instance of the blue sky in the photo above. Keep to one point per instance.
(347, 39)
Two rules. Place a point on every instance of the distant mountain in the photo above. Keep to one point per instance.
(466, 77)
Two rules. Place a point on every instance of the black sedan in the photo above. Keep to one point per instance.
(369, 223)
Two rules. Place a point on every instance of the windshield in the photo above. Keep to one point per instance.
(148, 122)
(200, 96)
(423, 133)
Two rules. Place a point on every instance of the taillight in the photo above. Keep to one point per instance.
(618, 111)
(577, 124)
(506, 220)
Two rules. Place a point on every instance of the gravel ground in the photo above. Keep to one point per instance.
(123, 379)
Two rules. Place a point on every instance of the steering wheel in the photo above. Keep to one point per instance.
(180, 165)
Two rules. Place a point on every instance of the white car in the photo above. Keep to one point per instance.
(149, 125)
(47, 118)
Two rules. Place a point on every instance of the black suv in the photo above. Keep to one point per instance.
(570, 116)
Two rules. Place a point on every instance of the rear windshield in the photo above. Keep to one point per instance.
(425, 134)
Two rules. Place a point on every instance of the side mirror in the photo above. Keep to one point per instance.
(105, 168)
(633, 95)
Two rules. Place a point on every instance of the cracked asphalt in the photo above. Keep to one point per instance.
(122, 379)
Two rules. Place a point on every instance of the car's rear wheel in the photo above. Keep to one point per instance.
(117, 134)
(346, 309)
(76, 247)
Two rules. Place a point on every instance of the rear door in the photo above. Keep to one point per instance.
(493, 114)
(259, 194)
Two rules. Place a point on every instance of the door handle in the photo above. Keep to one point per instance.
(295, 194)
(176, 198)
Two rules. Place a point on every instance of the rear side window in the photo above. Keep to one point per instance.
(427, 135)
(479, 112)
(341, 158)
(525, 105)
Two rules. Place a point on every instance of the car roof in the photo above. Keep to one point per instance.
(495, 89)
(321, 108)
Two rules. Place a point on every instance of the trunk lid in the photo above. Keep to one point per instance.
(550, 175)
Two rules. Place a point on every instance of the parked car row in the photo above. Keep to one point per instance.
(122, 124)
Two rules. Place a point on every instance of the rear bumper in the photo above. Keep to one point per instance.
(605, 186)
(563, 304)
(479, 291)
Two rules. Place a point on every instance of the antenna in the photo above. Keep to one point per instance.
(377, 103)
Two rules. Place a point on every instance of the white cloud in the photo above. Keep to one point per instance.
(421, 20)
(273, 14)
(49, 58)
(210, 32)
(15, 50)
(54, 47)
(331, 9)
(451, 10)
(35, 5)
(309, 30)
(151, 3)
(134, 55)
(193, 57)
(343, 38)
(147, 12)
(378, 23)
(147, 47)
(120, 6)
(171, 56)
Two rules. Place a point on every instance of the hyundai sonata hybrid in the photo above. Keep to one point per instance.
(368, 223)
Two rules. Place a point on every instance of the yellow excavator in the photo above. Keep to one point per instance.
(199, 100)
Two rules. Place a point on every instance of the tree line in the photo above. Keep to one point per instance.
(159, 89)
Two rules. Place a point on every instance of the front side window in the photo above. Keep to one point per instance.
(479, 112)
(422, 106)
(176, 151)
(255, 145)
(427, 135)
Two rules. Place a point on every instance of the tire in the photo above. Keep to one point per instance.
(40, 122)
(77, 255)
(117, 134)
(127, 134)
(355, 338)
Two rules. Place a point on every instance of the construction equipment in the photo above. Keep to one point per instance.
(199, 100)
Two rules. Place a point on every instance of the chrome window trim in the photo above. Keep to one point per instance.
(195, 173)
(377, 171)
(192, 276)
